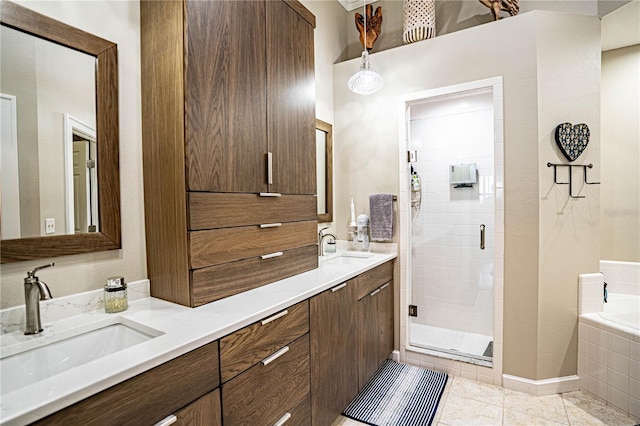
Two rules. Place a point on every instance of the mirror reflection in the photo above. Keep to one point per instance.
(324, 170)
(49, 182)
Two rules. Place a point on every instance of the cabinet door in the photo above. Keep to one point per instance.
(225, 91)
(334, 362)
(385, 321)
(368, 337)
(204, 411)
(291, 100)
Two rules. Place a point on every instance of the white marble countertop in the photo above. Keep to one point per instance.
(184, 329)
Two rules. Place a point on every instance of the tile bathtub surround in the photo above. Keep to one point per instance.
(621, 277)
(467, 402)
(58, 308)
(609, 363)
(590, 293)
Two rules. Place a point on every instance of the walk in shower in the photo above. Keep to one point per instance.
(452, 182)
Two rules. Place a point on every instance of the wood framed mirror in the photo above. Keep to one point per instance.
(105, 235)
(324, 167)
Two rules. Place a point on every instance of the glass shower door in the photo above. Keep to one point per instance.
(452, 229)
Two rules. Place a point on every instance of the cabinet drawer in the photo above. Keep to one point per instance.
(246, 347)
(209, 210)
(217, 282)
(374, 278)
(148, 397)
(300, 415)
(256, 397)
(217, 246)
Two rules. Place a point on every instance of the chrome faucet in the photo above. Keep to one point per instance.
(321, 236)
(34, 291)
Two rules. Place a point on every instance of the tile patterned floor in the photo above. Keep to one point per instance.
(466, 402)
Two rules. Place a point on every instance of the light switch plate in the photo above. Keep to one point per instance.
(50, 225)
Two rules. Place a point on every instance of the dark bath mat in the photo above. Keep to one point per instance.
(398, 395)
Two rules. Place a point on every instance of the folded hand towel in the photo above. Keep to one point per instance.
(381, 212)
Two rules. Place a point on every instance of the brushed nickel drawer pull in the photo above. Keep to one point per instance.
(268, 360)
(169, 420)
(283, 420)
(274, 317)
(374, 292)
(269, 168)
(270, 225)
(272, 255)
(482, 237)
(338, 287)
(384, 286)
(270, 194)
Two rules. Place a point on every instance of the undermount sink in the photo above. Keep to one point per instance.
(23, 364)
(348, 257)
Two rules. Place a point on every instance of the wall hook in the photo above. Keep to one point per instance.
(570, 183)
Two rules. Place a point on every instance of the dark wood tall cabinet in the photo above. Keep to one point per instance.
(334, 352)
(228, 123)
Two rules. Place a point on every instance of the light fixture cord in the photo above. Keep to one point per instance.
(364, 7)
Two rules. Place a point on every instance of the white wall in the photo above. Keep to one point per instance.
(621, 154)
(330, 47)
(620, 215)
(118, 22)
(65, 83)
(452, 278)
(366, 135)
(456, 15)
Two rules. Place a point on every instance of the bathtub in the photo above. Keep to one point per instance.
(622, 309)
(609, 345)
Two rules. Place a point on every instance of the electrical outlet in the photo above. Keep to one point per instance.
(50, 225)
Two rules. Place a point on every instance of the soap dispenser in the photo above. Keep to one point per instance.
(363, 230)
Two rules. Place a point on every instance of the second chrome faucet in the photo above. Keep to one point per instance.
(34, 291)
(321, 237)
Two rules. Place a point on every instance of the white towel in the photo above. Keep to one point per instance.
(381, 212)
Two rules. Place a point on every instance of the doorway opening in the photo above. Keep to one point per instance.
(454, 176)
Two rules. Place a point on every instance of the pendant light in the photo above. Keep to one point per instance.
(365, 81)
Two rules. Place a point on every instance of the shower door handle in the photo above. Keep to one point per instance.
(482, 227)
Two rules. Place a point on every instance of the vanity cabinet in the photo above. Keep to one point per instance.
(375, 319)
(270, 389)
(228, 123)
(205, 411)
(265, 370)
(153, 395)
(334, 352)
(246, 347)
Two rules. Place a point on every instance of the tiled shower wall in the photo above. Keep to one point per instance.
(430, 359)
(452, 277)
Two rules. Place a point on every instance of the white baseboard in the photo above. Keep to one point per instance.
(541, 387)
(395, 355)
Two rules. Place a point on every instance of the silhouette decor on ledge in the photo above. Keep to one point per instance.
(419, 20)
(497, 6)
(374, 26)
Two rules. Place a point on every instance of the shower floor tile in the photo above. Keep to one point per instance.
(451, 340)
